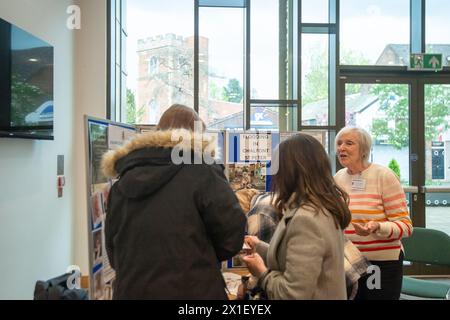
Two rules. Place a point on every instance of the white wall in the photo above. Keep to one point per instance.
(35, 226)
(90, 91)
(40, 235)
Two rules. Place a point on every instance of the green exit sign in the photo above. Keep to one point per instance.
(425, 62)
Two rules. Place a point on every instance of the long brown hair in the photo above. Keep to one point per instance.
(179, 116)
(304, 178)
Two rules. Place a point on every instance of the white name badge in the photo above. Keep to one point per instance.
(359, 184)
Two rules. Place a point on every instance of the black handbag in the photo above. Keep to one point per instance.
(56, 289)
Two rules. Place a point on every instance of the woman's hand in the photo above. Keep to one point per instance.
(373, 226)
(240, 295)
(252, 242)
(368, 228)
(255, 264)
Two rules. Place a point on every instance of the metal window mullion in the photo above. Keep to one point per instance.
(333, 51)
(423, 13)
(222, 4)
(332, 79)
(333, 96)
(321, 128)
(273, 101)
(290, 52)
(299, 68)
(417, 26)
(417, 148)
(109, 64)
(283, 54)
(117, 60)
(196, 56)
(247, 91)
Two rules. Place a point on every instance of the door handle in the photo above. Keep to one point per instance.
(430, 189)
(411, 189)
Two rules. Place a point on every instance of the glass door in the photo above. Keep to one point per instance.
(409, 120)
(383, 108)
(437, 155)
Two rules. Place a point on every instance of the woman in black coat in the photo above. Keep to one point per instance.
(168, 225)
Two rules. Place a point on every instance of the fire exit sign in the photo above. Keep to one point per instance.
(425, 62)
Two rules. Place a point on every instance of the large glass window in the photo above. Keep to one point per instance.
(250, 67)
(383, 110)
(315, 66)
(221, 67)
(314, 11)
(437, 206)
(265, 47)
(437, 156)
(437, 28)
(160, 57)
(275, 116)
(374, 32)
(437, 135)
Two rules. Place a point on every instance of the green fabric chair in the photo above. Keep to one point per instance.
(431, 247)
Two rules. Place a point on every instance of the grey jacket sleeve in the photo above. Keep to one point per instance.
(262, 249)
(304, 256)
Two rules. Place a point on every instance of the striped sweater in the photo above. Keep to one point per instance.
(382, 200)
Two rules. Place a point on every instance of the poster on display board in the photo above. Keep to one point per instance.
(248, 164)
(218, 136)
(101, 136)
(248, 158)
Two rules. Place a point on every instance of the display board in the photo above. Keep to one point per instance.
(248, 157)
(219, 138)
(250, 163)
(143, 128)
(101, 136)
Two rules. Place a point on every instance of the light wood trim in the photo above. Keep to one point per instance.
(84, 282)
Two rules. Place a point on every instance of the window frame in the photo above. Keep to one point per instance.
(338, 75)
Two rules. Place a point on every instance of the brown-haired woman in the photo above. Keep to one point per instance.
(179, 116)
(169, 225)
(305, 258)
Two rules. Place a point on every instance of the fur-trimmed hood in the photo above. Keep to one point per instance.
(112, 162)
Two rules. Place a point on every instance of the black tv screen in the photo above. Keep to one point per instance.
(26, 84)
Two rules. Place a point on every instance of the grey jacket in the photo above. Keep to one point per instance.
(305, 258)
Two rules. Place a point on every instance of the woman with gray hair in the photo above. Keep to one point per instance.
(380, 216)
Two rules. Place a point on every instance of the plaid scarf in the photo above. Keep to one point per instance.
(262, 219)
(355, 266)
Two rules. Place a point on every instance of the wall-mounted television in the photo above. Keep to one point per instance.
(26, 84)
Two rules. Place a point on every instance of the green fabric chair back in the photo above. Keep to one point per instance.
(427, 246)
